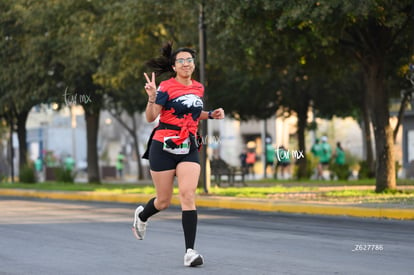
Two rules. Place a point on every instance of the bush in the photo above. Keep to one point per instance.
(64, 175)
(311, 164)
(27, 175)
(364, 171)
(341, 171)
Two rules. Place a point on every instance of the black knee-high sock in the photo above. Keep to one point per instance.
(148, 211)
(189, 220)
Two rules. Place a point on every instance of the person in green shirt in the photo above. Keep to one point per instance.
(270, 156)
(340, 168)
(339, 154)
(120, 164)
(323, 152)
(283, 161)
(50, 159)
(326, 152)
(316, 150)
(69, 163)
(38, 164)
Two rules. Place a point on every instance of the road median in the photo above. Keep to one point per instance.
(265, 205)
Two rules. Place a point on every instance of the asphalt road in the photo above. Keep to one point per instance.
(64, 237)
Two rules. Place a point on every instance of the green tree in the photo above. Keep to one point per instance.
(72, 26)
(91, 48)
(128, 44)
(279, 35)
(376, 34)
(23, 76)
(263, 68)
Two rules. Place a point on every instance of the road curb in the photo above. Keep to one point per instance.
(225, 202)
(311, 208)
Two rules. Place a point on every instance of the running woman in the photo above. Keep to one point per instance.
(172, 147)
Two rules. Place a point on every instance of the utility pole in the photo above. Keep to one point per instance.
(202, 44)
(264, 145)
(11, 151)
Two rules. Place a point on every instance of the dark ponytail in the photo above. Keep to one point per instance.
(164, 63)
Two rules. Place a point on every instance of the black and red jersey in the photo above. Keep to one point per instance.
(182, 106)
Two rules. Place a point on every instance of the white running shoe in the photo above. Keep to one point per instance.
(192, 258)
(139, 227)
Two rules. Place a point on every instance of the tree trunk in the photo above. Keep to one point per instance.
(404, 102)
(384, 142)
(22, 137)
(367, 136)
(302, 123)
(136, 147)
(92, 127)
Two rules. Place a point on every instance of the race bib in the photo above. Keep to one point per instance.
(182, 149)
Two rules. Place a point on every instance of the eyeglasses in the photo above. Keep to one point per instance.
(182, 60)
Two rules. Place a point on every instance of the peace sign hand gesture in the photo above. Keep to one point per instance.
(150, 86)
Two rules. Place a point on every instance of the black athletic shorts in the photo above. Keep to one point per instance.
(161, 160)
(283, 164)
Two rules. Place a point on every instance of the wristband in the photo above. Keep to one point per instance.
(210, 115)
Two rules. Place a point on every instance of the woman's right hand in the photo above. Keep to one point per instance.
(150, 86)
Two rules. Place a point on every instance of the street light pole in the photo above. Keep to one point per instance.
(204, 129)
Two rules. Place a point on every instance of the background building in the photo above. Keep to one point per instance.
(63, 132)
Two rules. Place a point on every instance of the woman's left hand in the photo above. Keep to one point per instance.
(218, 113)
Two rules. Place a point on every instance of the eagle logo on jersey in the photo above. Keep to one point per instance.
(187, 104)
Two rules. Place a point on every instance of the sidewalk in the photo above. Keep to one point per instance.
(290, 203)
